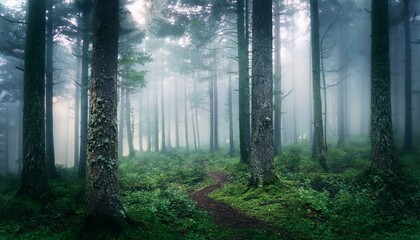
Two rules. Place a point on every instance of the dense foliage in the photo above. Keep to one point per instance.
(349, 202)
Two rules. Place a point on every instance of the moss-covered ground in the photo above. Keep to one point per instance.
(350, 201)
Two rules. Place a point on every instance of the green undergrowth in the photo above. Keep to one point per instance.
(155, 190)
(350, 201)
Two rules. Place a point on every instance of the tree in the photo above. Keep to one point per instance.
(34, 179)
(262, 147)
(277, 79)
(244, 121)
(408, 130)
(49, 129)
(316, 86)
(382, 140)
(104, 206)
(86, 7)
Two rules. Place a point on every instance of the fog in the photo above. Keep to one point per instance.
(190, 52)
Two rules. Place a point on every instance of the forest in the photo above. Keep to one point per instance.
(210, 119)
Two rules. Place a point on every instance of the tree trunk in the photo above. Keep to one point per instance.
(324, 92)
(140, 110)
(84, 100)
(316, 85)
(216, 105)
(156, 118)
(342, 88)
(49, 129)
(186, 116)
(277, 78)
(262, 146)
(211, 112)
(149, 127)
(230, 110)
(121, 124)
(77, 112)
(34, 179)
(104, 206)
(243, 61)
(131, 153)
(176, 115)
(383, 149)
(195, 108)
(162, 106)
(408, 126)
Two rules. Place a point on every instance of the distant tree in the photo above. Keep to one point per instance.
(86, 8)
(319, 147)
(277, 77)
(262, 147)
(104, 206)
(34, 179)
(408, 130)
(382, 140)
(49, 126)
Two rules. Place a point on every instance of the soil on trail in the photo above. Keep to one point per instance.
(224, 214)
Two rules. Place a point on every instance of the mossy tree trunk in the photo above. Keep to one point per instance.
(383, 149)
(244, 121)
(262, 146)
(34, 179)
(104, 206)
(318, 144)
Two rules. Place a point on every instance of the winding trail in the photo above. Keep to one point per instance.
(224, 214)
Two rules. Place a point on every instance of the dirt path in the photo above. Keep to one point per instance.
(224, 214)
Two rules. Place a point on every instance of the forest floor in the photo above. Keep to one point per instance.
(201, 195)
(224, 214)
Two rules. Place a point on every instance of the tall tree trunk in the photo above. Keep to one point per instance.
(193, 129)
(104, 206)
(149, 127)
(49, 129)
(230, 110)
(77, 111)
(140, 110)
(382, 140)
(277, 78)
(211, 112)
(342, 88)
(186, 116)
(176, 115)
(84, 100)
(131, 153)
(162, 106)
(34, 179)
(316, 85)
(216, 105)
(243, 63)
(156, 118)
(324, 92)
(121, 123)
(408, 126)
(195, 108)
(262, 146)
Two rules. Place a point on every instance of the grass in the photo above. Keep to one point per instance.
(348, 202)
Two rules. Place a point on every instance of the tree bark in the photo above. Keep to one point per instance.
(216, 105)
(156, 118)
(176, 115)
(243, 61)
(162, 106)
(84, 99)
(408, 126)
(262, 146)
(230, 110)
(131, 153)
(186, 116)
(104, 206)
(77, 112)
(316, 85)
(383, 149)
(140, 123)
(121, 123)
(34, 179)
(49, 129)
(277, 78)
